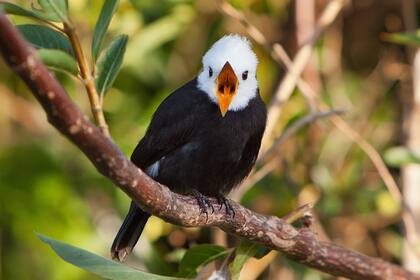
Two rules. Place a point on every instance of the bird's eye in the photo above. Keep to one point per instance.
(245, 75)
(210, 72)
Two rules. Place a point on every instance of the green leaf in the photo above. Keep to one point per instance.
(42, 37)
(198, 256)
(58, 60)
(244, 252)
(54, 10)
(107, 11)
(13, 9)
(109, 63)
(97, 264)
(411, 39)
(398, 156)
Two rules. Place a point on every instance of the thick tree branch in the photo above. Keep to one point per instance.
(301, 245)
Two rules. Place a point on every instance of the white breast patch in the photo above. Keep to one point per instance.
(153, 170)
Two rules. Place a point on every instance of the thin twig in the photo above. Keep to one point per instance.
(300, 61)
(292, 129)
(88, 79)
(270, 158)
(409, 222)
(299, 213)
(53, 25)
(295, 68)
(276, 50)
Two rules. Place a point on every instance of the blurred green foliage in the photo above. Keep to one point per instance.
(47, 186)
(99, 265)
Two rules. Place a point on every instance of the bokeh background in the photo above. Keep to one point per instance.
(48, 186)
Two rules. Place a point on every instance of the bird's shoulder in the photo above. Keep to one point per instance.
(180, 102)
(179, 111)
(171, 124)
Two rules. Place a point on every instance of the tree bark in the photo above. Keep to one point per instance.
(301, 244)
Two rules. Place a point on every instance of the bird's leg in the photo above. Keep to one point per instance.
(224, 201)
(203, 202)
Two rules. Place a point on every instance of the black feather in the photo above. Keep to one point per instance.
(196, 147)
(129, 232)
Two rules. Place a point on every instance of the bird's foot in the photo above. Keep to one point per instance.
(203, 202)
(223, 201)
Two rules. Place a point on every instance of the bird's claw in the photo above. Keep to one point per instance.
(204, 203)
(223, 201)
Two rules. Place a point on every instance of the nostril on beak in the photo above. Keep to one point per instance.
(221, 88)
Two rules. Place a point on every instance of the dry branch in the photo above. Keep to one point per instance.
(269, 159)
(301, 245)
(300, 61)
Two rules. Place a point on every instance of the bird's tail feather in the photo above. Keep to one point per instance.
(129, 232)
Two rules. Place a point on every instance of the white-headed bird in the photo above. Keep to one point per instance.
(204, 138)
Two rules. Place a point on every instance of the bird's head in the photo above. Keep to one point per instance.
(228, 75)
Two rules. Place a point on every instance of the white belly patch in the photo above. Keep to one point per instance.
(153, 170)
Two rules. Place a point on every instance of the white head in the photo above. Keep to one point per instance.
(228, 75)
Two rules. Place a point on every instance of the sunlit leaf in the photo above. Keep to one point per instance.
(46, 38)
(412, 39)
(198, 256)
(58, 60)
(398, 156)
(97, 264)
(109, 63)
(54, 10)
(108, 9)
(244, 252)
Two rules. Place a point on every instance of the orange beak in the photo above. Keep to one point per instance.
(226, 85)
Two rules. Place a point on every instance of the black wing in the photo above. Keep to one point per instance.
(171, 125)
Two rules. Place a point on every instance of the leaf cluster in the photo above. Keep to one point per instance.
(53, 45)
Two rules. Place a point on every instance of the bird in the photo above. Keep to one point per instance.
(204, 138)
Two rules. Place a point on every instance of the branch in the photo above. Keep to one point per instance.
(87, 79)
(269, 159)
(276, 50)
(300, 61)
(301, 245)
(294, 128)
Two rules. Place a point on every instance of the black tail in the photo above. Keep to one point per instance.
(129, 232)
